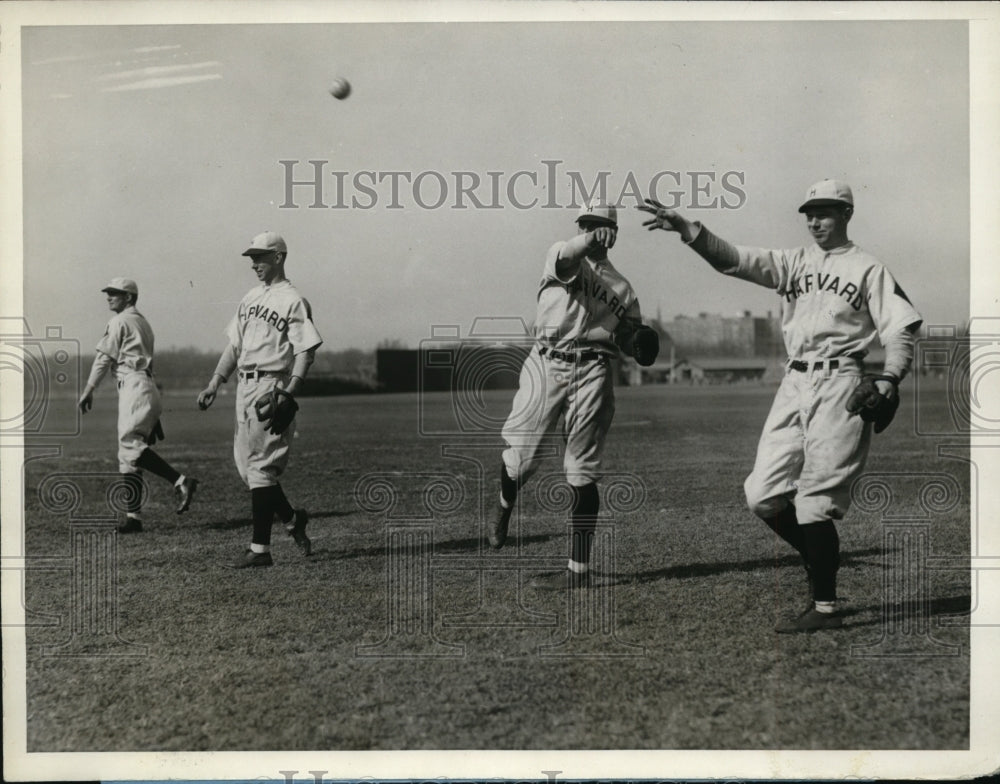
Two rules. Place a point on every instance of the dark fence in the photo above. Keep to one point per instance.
(467, 366)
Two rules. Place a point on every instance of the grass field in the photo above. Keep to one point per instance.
(403, 631)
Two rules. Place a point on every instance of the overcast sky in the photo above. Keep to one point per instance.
(153, 152)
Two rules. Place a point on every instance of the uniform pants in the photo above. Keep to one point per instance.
(139, 408)
(811, 449)
(582, 393)
(260, 456)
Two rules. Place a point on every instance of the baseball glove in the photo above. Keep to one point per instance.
(871, 405)
(645, 345)
(638, 341)
(276, 410)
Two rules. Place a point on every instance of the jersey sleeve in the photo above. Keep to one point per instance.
(302, 333)
(890, 308)
(634, 313)
(102, 364)
(768, 268)
(111, 343)
(234, 334)
(549, 274)
(228, 362)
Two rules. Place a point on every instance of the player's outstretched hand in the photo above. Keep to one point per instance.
(603, 237)
(663, 217)
(86, 402)
(206, 397)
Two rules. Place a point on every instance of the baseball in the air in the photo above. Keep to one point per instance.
(340, 88)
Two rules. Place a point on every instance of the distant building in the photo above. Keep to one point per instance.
(744, 335)
(719, 370)
(711, 348)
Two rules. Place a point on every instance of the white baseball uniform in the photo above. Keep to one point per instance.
(127, 348)
(835, 304)
(272, 324)
(568, 372)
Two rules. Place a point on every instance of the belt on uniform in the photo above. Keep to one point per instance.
(254, 375)
(802, 366)
(563, 356)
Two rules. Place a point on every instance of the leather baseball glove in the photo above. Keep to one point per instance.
(276, 410)
(645, 346)
(871, 405)
(638, 341)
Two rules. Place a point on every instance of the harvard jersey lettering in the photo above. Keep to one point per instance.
(272, 324)
(835, 303)
(599, 297)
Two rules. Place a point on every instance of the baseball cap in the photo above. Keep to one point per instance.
(826, 193)
(122, 284)
(599, 213)
(266, 242)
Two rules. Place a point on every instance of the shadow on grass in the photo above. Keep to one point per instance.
(335, 513)
(911, 609)
(684, 571)
(468, 544)
(472, 546)
(246, 522)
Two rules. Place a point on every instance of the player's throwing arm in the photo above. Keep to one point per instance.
(587, 313)
(835, 300)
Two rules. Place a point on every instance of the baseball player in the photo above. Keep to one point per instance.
(586, 313)
(127, 351)
(836, 300)
(272, 343)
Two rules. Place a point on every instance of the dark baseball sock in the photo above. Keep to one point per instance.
(279, 502)
(584, 521)
(155, 464)
(508, 486)
(786, 525)
(822, 552)
(262, 511)
(133, 495)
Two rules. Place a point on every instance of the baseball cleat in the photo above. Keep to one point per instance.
(566, 580)
(811, 620)
(298, 531)
(501, 521)
(250, 559)
(132, 525)
(185, 492)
